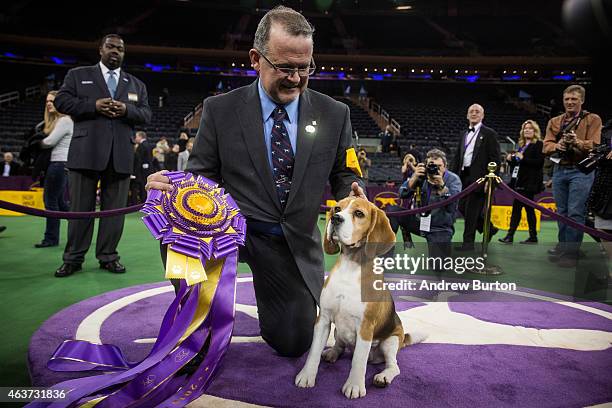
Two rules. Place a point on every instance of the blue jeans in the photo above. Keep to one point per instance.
(55, 187)
(571, 189)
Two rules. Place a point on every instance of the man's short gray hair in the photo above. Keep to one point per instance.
(293, 22)
(437, 154)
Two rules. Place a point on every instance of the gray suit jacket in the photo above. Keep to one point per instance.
(96, 136)
(230, 149)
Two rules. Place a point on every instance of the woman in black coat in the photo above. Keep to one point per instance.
(526, 167)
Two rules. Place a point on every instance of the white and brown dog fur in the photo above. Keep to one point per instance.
(372, 329)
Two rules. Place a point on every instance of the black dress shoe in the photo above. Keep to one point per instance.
(67, 269)
(492, 232)
(506, 240)
(45, 244)
(530, 241)
(556, 252)
(113, 266)
(465, 247)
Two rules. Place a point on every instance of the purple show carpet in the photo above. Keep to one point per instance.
(445, 370)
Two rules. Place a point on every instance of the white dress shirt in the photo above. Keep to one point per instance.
(470, 138)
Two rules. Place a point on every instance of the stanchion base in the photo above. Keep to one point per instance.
(488, 270)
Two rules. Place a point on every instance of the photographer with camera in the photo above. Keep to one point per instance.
(431, 183)
(569, 139)
(408, 166)
(526, 169)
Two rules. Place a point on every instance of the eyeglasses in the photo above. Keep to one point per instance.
(303, 72)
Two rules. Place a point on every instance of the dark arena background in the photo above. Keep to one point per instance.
(413, 66)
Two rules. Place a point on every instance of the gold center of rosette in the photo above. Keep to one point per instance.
(201, 203)
(200, 206)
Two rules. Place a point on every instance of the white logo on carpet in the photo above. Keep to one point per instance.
(435, 319)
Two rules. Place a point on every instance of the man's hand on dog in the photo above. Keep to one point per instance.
(357, 191)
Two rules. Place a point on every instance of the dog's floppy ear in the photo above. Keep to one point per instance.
(329, 246)
(380, 238)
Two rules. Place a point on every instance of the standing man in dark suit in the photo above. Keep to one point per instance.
(478, 147)
(105, 103)
(273, 145)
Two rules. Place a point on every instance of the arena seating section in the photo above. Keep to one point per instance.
(430, 114)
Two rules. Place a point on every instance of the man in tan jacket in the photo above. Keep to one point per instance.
(569, 139)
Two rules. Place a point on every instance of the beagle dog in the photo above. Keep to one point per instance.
(366, 322)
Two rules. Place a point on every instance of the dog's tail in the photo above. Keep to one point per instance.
(414, 338)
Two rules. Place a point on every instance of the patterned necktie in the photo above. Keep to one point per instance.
(112, 83)
(282, 155)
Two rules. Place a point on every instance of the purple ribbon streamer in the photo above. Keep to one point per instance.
(157, 371)
(222, 323)
(99, 357)
(84, 387)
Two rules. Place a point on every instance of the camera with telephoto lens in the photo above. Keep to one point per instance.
(568, 153)
(591, 162)
(432, 169)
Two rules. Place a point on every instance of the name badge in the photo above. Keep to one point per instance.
(515, 172)
(425, 224)
(86, 82)
(132, 97)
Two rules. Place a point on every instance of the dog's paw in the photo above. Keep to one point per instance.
(354, 389)
(331, 355)
(385, 377)
(381, 381)
(306, 378)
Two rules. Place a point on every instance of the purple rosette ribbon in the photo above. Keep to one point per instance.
(203, 228)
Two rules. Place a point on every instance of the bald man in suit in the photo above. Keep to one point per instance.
(478, 147)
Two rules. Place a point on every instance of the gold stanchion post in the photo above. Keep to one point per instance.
(491, 180)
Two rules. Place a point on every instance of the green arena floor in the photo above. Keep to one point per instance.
(30, 293)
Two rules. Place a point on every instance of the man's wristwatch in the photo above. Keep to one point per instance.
(441, 189)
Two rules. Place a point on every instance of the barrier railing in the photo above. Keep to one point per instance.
(32, 91)
(9, 98)
(491, 181)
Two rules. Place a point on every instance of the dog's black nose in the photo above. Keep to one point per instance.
(337, 219)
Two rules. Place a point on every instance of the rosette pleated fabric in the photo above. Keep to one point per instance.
(202, 228)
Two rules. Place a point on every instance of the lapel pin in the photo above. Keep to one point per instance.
(311, 128)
